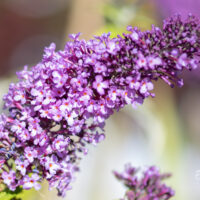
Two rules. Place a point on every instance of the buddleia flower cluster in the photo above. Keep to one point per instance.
(144, 184)
(60, 105)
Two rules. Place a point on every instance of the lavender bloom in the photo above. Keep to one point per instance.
(61, 104)
(145, 185)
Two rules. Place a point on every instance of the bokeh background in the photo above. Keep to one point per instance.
(165, 131)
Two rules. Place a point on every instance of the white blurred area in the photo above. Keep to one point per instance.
(154, 134)
(126, 142)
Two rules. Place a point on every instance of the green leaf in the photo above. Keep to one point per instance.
(10, 195)
(6, 196)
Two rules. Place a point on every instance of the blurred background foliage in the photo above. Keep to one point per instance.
(165, 131)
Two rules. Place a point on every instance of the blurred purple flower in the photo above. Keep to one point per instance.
(144, 185)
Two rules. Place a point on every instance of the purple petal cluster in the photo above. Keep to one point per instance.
(144, 184)
(60, 105)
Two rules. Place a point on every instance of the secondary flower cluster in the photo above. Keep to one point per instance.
(61, 104)
(144, 185)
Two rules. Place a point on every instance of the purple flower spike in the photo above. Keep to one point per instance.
(60, 105)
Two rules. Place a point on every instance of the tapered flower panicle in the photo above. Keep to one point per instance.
(144, 185)
(61, 104)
